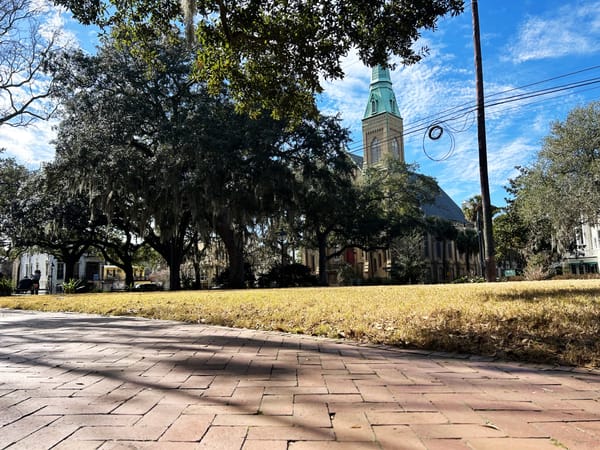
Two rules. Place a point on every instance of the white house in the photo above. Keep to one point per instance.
(53, 271)
(586, 256)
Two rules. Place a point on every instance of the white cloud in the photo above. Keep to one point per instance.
(29, 145)
(558, 33)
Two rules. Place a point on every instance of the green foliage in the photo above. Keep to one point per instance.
(559, 189)
(391, 200)
(12, 177)
(224, 278)
(51, 217)
(323, 205)
(273, 54)
(289, 275)
(6, 287)
(510, 238)
(469, 279)
(467, 242)
(408, 264)
(74, 286)
(538, 267)
(347, 275)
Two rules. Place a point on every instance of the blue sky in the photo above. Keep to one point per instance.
(523, 42)
(527, 46)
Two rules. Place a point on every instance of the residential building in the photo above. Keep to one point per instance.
(585, 257)
(93, 269)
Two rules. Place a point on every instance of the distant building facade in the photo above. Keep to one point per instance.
(585, 257)
(90, 268)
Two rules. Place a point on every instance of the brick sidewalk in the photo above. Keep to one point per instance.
(72, 381)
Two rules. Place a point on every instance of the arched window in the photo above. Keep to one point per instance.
(375, 151)
(395, 148)
(373, 106)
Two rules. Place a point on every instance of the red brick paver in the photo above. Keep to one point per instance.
(72, 381)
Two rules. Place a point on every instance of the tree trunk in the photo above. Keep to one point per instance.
(322, 242)
(70, 262)
(175, 259)
(234, 245)
(70, 258)
(197, 274)
(129, 278)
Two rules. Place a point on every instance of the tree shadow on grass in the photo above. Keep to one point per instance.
(539, 295)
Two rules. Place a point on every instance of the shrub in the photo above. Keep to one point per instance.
(73, 286)
(470, 279)
(6, 287)
(223, 278)
(291, 275)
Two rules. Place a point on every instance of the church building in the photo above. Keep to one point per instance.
(383, 136)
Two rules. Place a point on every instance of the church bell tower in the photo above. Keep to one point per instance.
(382, 124)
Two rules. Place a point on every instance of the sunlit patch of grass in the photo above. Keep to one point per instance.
(556, 322)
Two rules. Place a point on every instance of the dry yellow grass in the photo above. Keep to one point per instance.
(556, 322)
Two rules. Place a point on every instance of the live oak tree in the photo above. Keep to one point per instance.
(120, 245)
(12, 176)
(325, 195)
(272, 54)
(130, 137)
(46, 215)
(152, 146)
(559, 190)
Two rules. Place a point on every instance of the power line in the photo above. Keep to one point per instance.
(461, 111)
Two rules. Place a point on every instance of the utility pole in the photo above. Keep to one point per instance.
(488, 237)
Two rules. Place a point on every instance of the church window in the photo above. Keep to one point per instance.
(395, 148)
(373, 106)
(375, 151)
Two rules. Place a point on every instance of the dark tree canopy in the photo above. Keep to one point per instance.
(46, 215)
(273, 53)
(156, 151)
(132, 136)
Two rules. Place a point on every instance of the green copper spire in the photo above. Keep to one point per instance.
(381, 94)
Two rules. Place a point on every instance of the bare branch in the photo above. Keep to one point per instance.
(26, 47)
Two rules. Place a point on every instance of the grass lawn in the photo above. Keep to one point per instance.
(555, 322)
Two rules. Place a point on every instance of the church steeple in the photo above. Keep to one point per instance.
(382, 123)
(381, 94)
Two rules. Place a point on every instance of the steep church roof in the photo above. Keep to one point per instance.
(445, 208)
(381, 94)
(358, 160)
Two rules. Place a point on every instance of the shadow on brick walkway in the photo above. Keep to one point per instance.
(82, 381)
